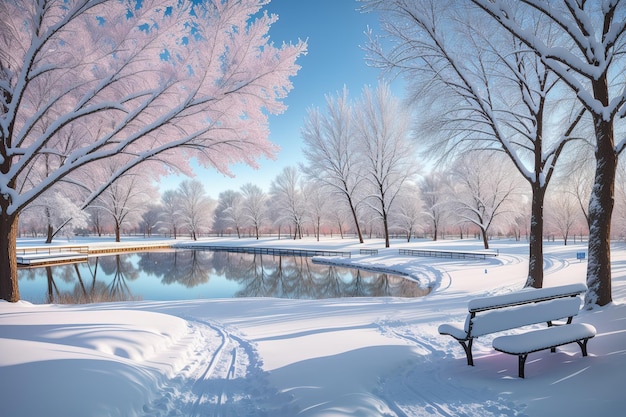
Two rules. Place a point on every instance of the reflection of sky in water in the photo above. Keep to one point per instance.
(188, 274)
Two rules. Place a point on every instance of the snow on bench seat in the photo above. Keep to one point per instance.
(541, 339)
(504, 312)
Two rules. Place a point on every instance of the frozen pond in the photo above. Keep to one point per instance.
(197, 274)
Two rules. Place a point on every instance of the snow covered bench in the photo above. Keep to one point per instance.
(529, 306)
(548, 338)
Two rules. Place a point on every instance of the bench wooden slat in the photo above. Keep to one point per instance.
(493, 321)
(525, 296)
(542, 339)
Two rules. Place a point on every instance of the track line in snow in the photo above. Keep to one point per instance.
(424, 389)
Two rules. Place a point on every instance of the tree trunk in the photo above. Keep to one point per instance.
(117, 231)
(600, 211)
(356, 219)
(386, 229)
(535, 258)
(9, 289)
(50, 229)
(483, 232)
(49, 234)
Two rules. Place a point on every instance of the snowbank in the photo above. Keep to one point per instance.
(341, 357)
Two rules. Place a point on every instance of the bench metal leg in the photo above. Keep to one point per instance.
(522, 361)
(583, 346)
(522, 358)
(467, 346)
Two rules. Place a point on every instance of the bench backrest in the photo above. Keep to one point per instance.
(506, 318)
(525, 296)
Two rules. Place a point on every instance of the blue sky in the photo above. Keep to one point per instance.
(334, 30)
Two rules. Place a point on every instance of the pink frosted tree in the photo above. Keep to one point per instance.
(86, 80)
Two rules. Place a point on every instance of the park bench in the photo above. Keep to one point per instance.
(523, 308)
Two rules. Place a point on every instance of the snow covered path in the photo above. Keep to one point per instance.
(313, 358)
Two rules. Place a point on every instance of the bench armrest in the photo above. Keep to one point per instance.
(455, 331)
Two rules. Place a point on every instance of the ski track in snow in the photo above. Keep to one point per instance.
(408, 393)
(223, 378)
(552, 264)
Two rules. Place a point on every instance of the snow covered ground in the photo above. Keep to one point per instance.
(339, 357)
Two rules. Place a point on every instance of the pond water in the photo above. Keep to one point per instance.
(199, 274)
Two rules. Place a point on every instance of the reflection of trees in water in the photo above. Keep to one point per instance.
(188, 267)
(107, 278)
(331, 283)
(87, 288)
(256, 279)
(121, 269)
(298, 278)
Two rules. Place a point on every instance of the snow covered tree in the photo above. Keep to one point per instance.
(288, 199)
(562, 213)
(151, 219)
(126, 198)
(223, 220)
(254, 207)
(481, 88)
(329, 149)
(589, 57)
(86, 80)
(170, 205)
(234, 212)
(407, 213)
(435, 200)
(484, 190)
(61, 213)
(196, 208)
(381, 132)
(316, 201)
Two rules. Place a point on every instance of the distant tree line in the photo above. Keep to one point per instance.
(478, 196)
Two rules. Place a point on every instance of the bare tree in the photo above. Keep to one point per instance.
(151, 219)
(288, 199)
(484, 90)
(170, 202)
(196, 208)
(224, 219)
(589, 58)
(436, 200)
(407, 213)
(316, 202)
(485, 187)
(338, 216)
(125, 199)
(383, 144)
(562, 213)
(329, 149)
(236, 214)
(86, 80)
(254, 208)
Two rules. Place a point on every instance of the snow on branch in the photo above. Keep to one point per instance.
(90, 80)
